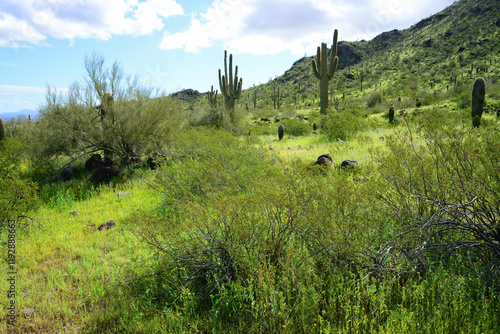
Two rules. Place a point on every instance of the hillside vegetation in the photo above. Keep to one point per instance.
(135, 212)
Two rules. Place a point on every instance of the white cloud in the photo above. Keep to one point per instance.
(30, 22)
(273, 26)
(10, 89)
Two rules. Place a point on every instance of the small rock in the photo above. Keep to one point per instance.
(74, 213)
(29, 310)
(107, 225)
(123, 193)
(349, 164)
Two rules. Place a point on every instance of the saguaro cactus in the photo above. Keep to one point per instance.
(230, 87)
(212, 97)
(391, 114)
(3, 134)
(281, 131)
(478, 93)
(324, 69)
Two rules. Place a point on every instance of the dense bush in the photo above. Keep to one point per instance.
(445, 192)
(84, 121)
(17, 193)
(344, 125)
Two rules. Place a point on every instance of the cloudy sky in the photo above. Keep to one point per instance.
(176, 44)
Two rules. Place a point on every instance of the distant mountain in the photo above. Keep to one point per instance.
(445, 51)
(21, 113)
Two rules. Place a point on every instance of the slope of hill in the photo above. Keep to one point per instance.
(445, 51)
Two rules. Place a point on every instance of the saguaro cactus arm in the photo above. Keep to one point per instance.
(322, 65)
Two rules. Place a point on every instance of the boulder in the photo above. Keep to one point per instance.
(325, 160)
(104, 173)
(67, 173)
(156, 160)
(130, 159)
(93, 162)
(346, 164)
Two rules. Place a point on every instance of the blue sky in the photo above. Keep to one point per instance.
(179, 44)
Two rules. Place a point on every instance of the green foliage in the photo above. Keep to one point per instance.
(296, 127)
(281, 131)
(18, 193)
(442, 186)
(344, 125)
(74, 126)
(374, 99)
(324, 70)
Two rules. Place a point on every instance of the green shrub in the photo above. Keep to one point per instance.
(295, 127)
(18, 193)
(374, 99)
(344, 125)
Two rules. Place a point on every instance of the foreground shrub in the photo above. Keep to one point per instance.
(17, 193)
(445, 192)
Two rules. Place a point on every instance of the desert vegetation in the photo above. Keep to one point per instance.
(133, 211)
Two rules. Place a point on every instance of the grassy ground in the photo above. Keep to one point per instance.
(74, 278)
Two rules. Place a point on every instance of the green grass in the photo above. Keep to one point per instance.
(80, 280)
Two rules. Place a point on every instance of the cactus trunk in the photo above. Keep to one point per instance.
(3, 133)
(478, 93)
(324, 69)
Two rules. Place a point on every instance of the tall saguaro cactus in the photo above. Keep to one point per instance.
(230, 87)
(324, 69)
(478, 93)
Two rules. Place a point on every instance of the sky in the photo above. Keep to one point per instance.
(175, 44)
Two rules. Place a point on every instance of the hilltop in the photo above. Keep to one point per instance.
(442, 52)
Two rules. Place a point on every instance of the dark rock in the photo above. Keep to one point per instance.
(265, 119)
(107, 225)
(104, 173)
(346, 51)
(107, 162)
(349, 164)
(67, 173)
(130, 159)
(74, 213)
(93, 162)
(325, 160)
(156, 160)
(349, 76)
(276, 119)
(486, 110)
(186, 94)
